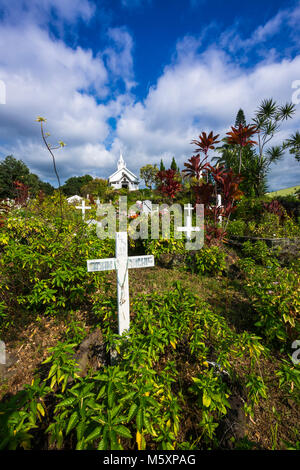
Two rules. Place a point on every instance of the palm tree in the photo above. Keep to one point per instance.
(293, 144)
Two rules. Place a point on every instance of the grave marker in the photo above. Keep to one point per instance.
(147, 207)
(83, 208)
(188, 228)
(121, 263)
(219, 204)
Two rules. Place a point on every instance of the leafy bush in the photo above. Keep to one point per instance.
(139, 402)
(164, 245)
(209, 260)
(259, 252)
(275, 296)
(250, 208)
(236, 228)
(270, 226)
(38, 274)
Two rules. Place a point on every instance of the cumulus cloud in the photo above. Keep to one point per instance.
(203, 91)
(79, 93)
(43, 76)
(119, 58)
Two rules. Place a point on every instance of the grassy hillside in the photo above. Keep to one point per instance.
(284, 192)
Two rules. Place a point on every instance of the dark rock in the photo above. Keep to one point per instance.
(92, 353)
(233, 426)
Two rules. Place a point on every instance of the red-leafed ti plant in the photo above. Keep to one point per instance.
(241, 136)
(168, 183)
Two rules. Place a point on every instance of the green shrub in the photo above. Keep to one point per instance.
(250, 208)
(236, 228)
(164, 245)
(275, 295)
(137, 403)
(259, 252)
(209, 260)
(43, 265)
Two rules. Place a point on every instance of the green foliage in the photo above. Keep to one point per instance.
(240, 118)
(38, 274)
(97, 187)
(209, 261)
(148, 174)
(12, 170)
(289, 379)
(270, 227)
(275, 295)
(212, 397)
(174, 165)
(164, 245)
(137, 403)
(236, 228)
(74, 184)
(260, 253)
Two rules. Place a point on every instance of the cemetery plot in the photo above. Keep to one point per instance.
(121, 264)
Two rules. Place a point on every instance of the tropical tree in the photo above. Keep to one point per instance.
(268, 118)
(168, 183)
(174, 165)
(293, 144)
(162, 166)
(74, 184)
(240, 118)
(241, 137)
(148, 174)
(205, 143)
(12, 170)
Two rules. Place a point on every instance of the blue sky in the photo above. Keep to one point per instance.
(144, 77)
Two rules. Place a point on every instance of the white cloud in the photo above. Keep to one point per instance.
(38, 11)
(119, 56)
(72, 88)
(202, 92)
(67, 86)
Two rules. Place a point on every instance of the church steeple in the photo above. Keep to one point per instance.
(121, 163)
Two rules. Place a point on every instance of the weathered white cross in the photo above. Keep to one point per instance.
(83, 208)
(121, 263)
(219, 204)
(189, 227)
(2, 353)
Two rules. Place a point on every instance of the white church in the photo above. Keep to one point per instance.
(123, 178)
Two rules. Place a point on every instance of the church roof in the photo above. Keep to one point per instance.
(122, 171)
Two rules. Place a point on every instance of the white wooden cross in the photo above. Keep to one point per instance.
(121, 263)
(147, 207)
(2, 353)
(83, 208)
(219, 204)
(189, 227)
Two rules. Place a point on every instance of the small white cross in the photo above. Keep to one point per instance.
(83, 208)
(219, 204)
(189, 227)
(121, 263)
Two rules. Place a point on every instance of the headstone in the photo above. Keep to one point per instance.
(188, 228)
(83, 208)
(121, 263)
